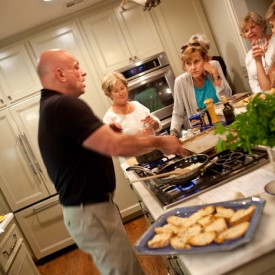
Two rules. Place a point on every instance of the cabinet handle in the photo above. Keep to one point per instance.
(12, 247)
(36, 163)
(135, 58)
(27, 156)
(2, 101)
(9, 97)
(131, 59)
(45, 205)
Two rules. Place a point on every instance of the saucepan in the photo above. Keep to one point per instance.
(178, 172)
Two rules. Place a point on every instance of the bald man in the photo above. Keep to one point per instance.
(76, 148)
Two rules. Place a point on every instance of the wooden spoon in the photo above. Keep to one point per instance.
(177, 172)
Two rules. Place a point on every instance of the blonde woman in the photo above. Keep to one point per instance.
(133, 117)
(253, 27)
(266, 79)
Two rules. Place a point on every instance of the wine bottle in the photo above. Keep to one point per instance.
(228, 111)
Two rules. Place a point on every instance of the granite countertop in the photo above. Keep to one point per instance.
(222, 262)
(5, 222)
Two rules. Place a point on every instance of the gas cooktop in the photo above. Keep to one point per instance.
(228, 166)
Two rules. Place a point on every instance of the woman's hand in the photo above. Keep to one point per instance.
(257, 52)
(148, 120)
(211, 69)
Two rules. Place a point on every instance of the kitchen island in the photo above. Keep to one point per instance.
(255, 257)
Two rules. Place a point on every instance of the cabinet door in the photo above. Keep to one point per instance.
(26, 116)
(118, 38)
(67, 37)
(23, 263)
(18, 77)
(43, 227)
(139, 31)
(106, 41)
(19, 179)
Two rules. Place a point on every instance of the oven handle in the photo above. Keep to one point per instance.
(152, 76)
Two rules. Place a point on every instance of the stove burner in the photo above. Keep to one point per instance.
(229, 166)
(229, 160)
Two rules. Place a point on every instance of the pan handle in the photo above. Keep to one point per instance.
(210, 163)
(140, 168)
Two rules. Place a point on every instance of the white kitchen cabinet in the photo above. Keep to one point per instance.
(44, 228)
(20, 180)
(14, 256)
(18, 78)
(118, 38)
(67, 37)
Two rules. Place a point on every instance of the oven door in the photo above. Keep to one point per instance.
(155, 91)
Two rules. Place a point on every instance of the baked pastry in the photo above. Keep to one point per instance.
(233, 232)
(202, 239)
(160, 240)
(218, 226)
(242, 215)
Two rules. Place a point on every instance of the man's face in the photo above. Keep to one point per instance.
(75, 77)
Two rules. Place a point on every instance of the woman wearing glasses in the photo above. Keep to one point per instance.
(201, 80)
(205, 42)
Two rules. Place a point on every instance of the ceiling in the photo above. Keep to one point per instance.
(17, 16)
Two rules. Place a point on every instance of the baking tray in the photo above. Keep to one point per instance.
(203, 142)
(143, 249)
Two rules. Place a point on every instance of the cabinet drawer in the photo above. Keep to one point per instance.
(9, 246)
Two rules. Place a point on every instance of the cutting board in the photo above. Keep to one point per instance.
(202, 143)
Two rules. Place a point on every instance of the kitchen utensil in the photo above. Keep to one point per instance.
(179, 164)
(143, 249)
(203, 142)
(163, 175)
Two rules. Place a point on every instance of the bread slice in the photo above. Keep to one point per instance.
(176, 220)
(205, 211)
(202, 239)
(167, 228)
(160, 240)
(242, 215)
(206, 220)
(179, 242)
(218, 226)
(233, 232)
(191, 231)
(222, 212)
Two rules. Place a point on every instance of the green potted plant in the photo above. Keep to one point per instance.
(254, 127)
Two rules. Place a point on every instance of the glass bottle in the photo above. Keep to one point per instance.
(228, 111)
(211, 111)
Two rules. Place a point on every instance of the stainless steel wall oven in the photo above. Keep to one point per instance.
(151, 82)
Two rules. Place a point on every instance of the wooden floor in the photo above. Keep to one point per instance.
(72, 261)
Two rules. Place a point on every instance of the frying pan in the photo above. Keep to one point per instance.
(179, 164)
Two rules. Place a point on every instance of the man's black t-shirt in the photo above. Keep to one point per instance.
(79, 175)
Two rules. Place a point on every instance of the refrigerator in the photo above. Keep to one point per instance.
(24, 181)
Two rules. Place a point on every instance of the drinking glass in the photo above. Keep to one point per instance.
(262, 43)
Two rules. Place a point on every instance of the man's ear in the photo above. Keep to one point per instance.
(59, 74)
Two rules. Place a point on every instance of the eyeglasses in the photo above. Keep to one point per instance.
(184, 47)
